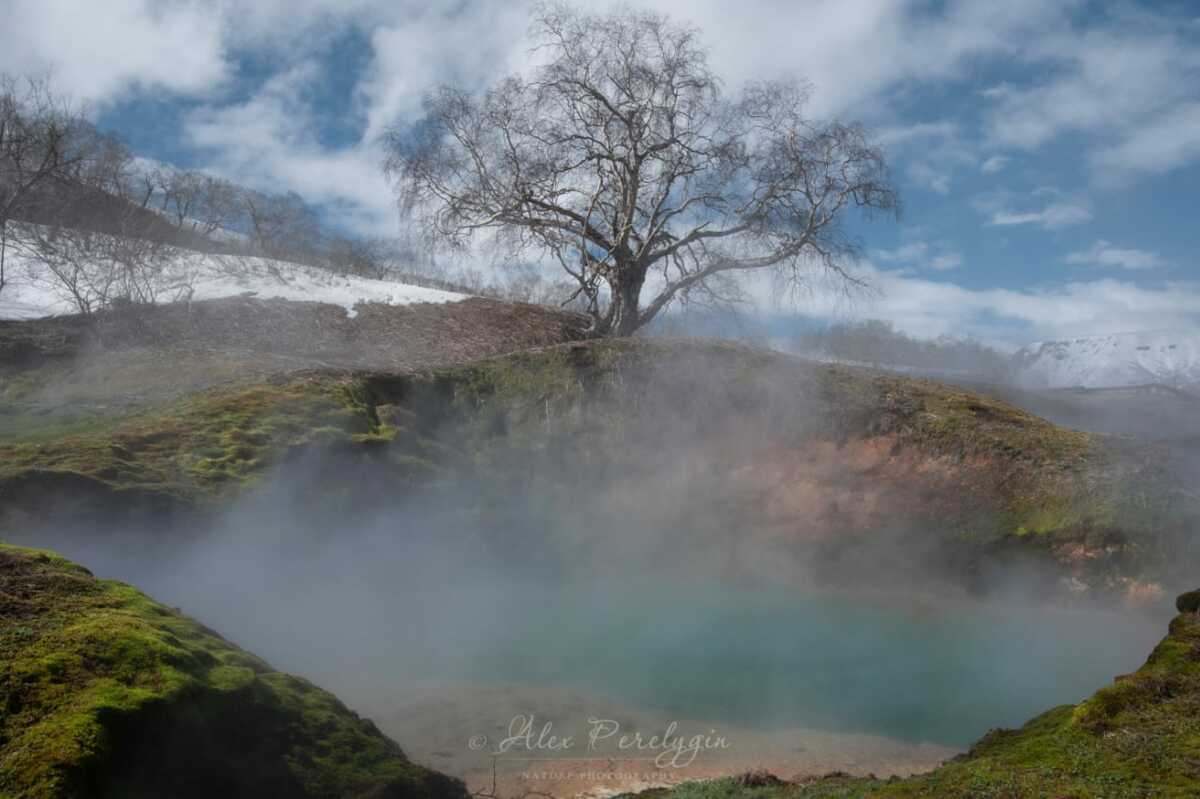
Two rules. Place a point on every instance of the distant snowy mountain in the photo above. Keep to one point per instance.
(33, 292)
(1170, 357)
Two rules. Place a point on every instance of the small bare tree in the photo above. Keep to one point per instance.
(281, 226)
(195, 202)
(620, 158)
(353, 255)
(38, 144)
(99, 247)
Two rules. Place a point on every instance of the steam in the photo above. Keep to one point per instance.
(661, 579)
(398, 595)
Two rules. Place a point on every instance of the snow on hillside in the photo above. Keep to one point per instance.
(1171, 357)
(33, 293)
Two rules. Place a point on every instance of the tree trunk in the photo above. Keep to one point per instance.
(3, 252)
(626, 293)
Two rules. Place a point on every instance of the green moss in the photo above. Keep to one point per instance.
(202, 447)
(544, 375)
(107, 693)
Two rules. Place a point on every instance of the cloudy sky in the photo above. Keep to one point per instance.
(1048, 152)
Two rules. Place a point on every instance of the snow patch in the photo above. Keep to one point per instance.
(32, 293)
(1169, 357)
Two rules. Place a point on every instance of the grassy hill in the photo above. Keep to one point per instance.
(770, 442)
(730, 449)
(1139, 737)
(106, 693)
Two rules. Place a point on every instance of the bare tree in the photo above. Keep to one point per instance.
(282, 226)
(620, 157)
(356, 255)
(195, 202)
(99, 247)
(38, 144)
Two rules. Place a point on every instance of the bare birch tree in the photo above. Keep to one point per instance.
(195, 202)
(621, 158)
(38, 133)
(281, 226)
(100, 247)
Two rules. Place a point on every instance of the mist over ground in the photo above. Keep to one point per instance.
(521, 370)
(688, 554)
(398, 594)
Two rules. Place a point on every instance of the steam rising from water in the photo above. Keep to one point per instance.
(403, 594)
(653, 588)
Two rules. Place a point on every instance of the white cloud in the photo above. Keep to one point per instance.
(932, 151)
(1158, 144)
(268, 142)
(946, 261)
(906, 253)
(994, 164)
(414, 46)
(1103, 253)
(934, 177)
(1131, 84)
(99, 51)
(433, 45)
(1052, 217)
(1076, 309)
(919, 132)
(929, 307)
(917, 253)
(852, 57)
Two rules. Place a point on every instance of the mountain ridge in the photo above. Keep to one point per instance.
(1169, 357)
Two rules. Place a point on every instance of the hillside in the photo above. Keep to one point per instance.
(714, 463)
(69, 372)
(808, 462)
(1168, 357)
(107, 693)
(1135, 738)
(1153, 412)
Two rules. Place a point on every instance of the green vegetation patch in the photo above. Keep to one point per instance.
(104, 692)
(1102, 506)
(1028, 486)
(203, 446)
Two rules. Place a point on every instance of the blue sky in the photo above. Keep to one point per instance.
(1048, 153)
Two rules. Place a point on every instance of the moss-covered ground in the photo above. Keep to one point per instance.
(106, 693)
(208, 445)
(1031, 486)
(1138, 738)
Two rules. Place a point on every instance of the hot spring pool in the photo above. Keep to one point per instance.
(773, 658)
(439, 649)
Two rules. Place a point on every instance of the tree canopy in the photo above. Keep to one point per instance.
(620, 157)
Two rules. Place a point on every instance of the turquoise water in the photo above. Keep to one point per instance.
(773, 658)
(367, 619)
